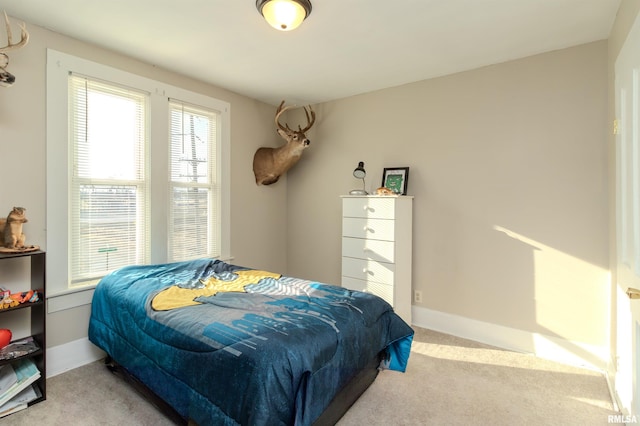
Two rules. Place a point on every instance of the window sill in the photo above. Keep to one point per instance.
(61, 302)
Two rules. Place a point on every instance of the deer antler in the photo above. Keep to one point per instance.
(279, 112)
(311, 118)
(24, 37)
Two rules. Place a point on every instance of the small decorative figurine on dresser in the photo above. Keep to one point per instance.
(13, 239)
(383, 190)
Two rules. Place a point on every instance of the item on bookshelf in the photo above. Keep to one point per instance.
(24, 296)
(25, 249)
(21, 400)
(12, 235)
(16, 377)
(11, 408)
(5, 337)
(9, 300)
(19, 348)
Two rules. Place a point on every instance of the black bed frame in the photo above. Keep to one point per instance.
(343, 400)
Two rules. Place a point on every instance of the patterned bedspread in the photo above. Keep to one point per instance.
(227, 345)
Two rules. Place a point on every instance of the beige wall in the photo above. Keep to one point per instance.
(258, 219)
(509, 173)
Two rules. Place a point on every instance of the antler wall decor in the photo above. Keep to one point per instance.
(6, 78)
(271, 163)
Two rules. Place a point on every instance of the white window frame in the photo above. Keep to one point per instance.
(59, 65)
(208, 184)
(137, 176)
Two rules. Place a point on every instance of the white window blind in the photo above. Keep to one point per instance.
(108, 196)
(117, 194)
(194, 196)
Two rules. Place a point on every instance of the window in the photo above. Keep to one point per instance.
(193, 192)
(108, 186)
(137, 172)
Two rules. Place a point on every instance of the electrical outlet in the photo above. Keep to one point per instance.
(417, 296)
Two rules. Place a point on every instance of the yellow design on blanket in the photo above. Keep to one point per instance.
(177, 297)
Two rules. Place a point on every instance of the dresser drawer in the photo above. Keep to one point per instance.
(373, 207)
(384, 291)
(360, 227)
(368, 270)
(368, 249)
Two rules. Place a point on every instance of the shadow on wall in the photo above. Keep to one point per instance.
(566, 301)
(484, 271)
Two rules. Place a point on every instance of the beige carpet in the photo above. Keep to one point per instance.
(449, 381)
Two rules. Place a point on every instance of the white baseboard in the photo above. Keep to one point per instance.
(80, 352)
(71, 355)
(548, 347)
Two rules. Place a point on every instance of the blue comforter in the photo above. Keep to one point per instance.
(274, 352)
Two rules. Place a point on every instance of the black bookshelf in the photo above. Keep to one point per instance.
(38, 316)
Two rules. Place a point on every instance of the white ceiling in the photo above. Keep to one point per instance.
(345, 47)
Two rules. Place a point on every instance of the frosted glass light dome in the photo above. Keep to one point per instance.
(284, 15)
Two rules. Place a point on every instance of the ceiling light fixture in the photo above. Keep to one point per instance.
(284, 15)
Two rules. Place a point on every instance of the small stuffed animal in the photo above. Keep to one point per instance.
(12, 235)
(384, 191)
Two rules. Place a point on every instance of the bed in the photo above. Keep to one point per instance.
(221, 344)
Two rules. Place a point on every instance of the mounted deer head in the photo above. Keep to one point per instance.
(271, 163)
(6, 78)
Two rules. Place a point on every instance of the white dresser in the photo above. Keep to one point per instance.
(376, 248)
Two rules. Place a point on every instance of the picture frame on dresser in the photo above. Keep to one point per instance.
(396, 179)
